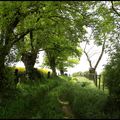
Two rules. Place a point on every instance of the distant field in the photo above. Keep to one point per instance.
(41, 70)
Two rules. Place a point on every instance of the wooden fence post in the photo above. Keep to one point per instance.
(99, 80)
(103, 85)
(95, 79)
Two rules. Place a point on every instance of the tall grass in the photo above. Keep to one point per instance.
(86, 100)
(36, 99)
(29, 102)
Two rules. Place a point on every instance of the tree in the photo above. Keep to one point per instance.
(89, 57)
(115, 7)
(61, 15)
(111, 77)
(62, 64)
(102, 28)
(12, 16)
(65, 29)
(27, 52)
(111, 72)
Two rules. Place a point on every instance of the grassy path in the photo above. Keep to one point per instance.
(58, 98)
(66, 108)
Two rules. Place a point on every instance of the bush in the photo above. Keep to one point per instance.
(111, 77)
(88, 103)
(9, 78)
(27, 101)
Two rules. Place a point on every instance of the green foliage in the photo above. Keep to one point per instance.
(86, 101)
(9, 80)
(77, 74)
(91, 103)
(66, 56)
(40, 100)
(51, 106)
(111, 78)
(58, 29)
(29, 102)
(82, 74)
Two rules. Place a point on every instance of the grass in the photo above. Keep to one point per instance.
(39, 100)
(86, 100)
(30, 102)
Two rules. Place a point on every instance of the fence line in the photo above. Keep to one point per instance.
(97, 80)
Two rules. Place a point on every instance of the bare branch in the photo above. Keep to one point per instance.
(90, 63)
(103, 47)
(85, 46)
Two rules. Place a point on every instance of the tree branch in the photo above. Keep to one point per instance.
(18, 37)
(88, 59)
(85, 46)
(103, 47)
(114, 9)
(31, 40)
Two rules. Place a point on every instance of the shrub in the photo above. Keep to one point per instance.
(111, 76)
(9, 78)
(88, 103)
(28, 101)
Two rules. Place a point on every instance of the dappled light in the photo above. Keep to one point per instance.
(60, 60)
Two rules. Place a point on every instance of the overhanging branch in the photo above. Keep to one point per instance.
(18, 37)
(114, 9)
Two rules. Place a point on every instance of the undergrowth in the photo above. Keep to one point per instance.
(39, 99)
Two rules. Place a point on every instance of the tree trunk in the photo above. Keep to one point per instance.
(29, 59)
(52, 65)
(3, 53)
(2, 73)
(92, 70)
(61, 68)
(52, 62)
(62, 72)
(88, 58)
(93, 75)
(100, 57)
(54, 71)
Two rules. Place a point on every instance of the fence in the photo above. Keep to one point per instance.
(97, 80)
